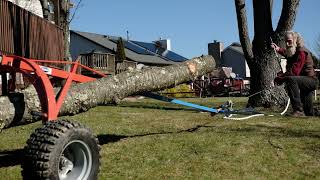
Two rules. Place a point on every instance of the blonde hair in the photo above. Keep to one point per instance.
(297, 38)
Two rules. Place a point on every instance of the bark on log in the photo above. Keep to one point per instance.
(16, 108)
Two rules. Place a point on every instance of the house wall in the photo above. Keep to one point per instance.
(231, 58)
(283, 64)
(247, 70)
(80, 45)
(33, 6)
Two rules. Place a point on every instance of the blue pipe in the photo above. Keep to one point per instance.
(176, 101)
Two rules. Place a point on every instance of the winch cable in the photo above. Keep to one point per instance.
(279, 62)
(241, 118)
(275, 52)
(286, 109)
(230, 116)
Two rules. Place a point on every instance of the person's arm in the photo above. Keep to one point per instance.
(298, 65)
(281, 51)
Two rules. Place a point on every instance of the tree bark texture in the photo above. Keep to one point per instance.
(261, 84)
(243, 29)
(262, 59)
(16, 108)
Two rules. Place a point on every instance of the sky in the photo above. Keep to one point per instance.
(189, 24)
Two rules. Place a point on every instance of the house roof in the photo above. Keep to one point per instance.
(235, 47)
(142, 52)
(238, 48)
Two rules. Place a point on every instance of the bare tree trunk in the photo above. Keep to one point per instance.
(264, 65)
(17, 108)
(64, 22)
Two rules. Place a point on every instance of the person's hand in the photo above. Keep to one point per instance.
(279, 80)
(280, 74)
(275, 46)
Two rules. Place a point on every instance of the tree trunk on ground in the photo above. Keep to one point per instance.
(260, 57)
(17, 108)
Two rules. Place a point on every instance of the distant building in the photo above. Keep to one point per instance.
(138, 54)
(232, 56)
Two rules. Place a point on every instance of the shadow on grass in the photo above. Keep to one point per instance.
(268, 131)
(14, 157)
(11, 158)
(276, 131)
(110, 138)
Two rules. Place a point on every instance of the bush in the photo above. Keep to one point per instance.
(180, 91)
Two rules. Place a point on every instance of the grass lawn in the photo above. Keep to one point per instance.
(149, 139)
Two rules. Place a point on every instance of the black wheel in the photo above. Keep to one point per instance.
(62, 150)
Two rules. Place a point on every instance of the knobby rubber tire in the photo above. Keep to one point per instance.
(46, 144)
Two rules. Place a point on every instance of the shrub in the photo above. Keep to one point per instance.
(180, 91)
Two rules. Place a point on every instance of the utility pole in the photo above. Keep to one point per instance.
(127, 35)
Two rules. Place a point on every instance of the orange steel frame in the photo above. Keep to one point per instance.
(39, 76)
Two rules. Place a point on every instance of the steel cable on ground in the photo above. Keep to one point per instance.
(230, 116)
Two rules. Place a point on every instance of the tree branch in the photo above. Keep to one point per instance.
(288, 15)
(243, 29)
(262, 25)
(75, 11)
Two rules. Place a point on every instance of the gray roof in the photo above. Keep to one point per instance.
(235, 47)
(109, 42)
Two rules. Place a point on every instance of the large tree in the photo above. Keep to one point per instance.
(260, 57)
(120, 53)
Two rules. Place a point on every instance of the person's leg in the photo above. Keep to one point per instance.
(307, 101)
(301, 87)
(294, 93)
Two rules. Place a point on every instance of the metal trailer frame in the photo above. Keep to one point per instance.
(39, 76)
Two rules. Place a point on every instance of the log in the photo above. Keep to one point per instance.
(16, 108)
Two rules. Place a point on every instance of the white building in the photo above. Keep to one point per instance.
(33, 6)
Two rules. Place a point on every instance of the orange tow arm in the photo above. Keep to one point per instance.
(39, 76)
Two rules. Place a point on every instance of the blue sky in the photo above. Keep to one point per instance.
(190, 24)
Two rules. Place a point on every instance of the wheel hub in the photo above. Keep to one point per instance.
(65, 167)
(75, 161)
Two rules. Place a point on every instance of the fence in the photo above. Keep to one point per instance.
(25, 34)
(123, 66)
(103, 62)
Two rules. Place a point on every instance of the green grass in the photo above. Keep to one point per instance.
(149, 139)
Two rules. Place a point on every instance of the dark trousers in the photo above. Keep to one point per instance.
(300, 90)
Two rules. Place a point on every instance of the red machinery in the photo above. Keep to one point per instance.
(39, 75)
(75, 145)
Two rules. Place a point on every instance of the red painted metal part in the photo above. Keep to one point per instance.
(39, 75)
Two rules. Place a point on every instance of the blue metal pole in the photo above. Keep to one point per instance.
(176, 101)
